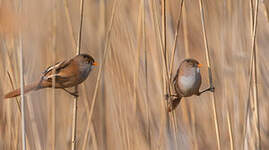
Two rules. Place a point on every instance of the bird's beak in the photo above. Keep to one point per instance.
(200, 65)
(95, 64)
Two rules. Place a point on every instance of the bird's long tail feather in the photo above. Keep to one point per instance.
(27, 88)
(173, 104)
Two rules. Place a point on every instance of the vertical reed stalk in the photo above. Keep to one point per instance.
(230, 130)
(156, 28)
(22, 93)
(185, 31)
(148, 134)
(137, 68)
(135, 78)
(90, 129)
(251, 14)
(137, 60)
(161, 40)
(51, 103)
(175, 41)
(174, 120)
(102, 63)
(69, 24)
(18, 104)
(164, 30)
(20, 49)
(256, 102)
(171, 67)
(209, 73)
(74, 123)
(254, 78)
(164, 43)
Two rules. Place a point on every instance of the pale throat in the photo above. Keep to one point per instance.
(86, 68)
(198, 70)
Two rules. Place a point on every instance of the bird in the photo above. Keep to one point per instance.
(187, 82)
(67, 73)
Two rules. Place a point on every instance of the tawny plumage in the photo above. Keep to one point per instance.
(187, 82)
(67, 74)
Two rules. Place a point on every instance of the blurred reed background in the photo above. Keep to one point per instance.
(129, 111)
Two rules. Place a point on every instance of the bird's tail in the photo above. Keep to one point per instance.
(173, 104)
(27, 88)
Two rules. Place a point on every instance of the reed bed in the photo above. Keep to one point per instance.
(138, 46)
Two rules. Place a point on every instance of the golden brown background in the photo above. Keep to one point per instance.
(129, 112)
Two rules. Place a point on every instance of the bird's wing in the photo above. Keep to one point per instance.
(175, 83)
(176, 76)
(52, 72)
(57, 67)
(58, 79)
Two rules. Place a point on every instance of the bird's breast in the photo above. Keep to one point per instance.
(189, 84)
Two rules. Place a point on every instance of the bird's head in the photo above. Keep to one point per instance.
(191, 64)
(87, 59)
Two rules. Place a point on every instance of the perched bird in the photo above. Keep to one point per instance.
(67, 74)
(187, 82)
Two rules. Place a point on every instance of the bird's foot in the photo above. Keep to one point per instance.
(75, 94)
(212, 89)
(166, 96)
(173, 104)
